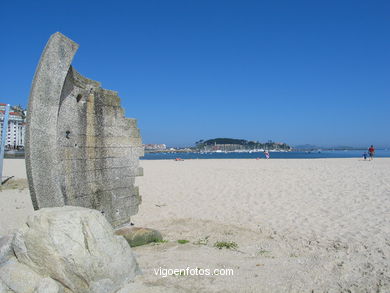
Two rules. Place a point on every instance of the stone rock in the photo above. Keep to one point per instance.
(76, 247)
(6, 251)
(4, 288)
(19, 278)
(137, 236)
(48, 285)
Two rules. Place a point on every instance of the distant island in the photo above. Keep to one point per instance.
(223, 145)
(232, 144)
(242, 145)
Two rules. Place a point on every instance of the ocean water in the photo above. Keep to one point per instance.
(273, 155)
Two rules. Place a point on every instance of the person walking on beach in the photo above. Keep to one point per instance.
(266, 153)
(371, 152)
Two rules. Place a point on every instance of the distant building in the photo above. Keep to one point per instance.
(153, 147)
(16, 128)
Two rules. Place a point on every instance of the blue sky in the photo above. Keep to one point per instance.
(300, 72)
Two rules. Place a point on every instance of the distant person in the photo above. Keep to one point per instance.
(371, 152)
(365, 156)
(266, 153)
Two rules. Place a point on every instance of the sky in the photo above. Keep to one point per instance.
(315, 72)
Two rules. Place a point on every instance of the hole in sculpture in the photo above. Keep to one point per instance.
(78, 98)
(67, 134)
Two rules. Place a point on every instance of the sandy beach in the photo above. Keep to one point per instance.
(315, 225)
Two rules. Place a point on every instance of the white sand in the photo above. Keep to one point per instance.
(15, 205)
(14, 167)
(300, 225)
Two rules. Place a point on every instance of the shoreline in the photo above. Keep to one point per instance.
(270, 159)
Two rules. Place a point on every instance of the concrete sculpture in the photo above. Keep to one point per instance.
(80, 150)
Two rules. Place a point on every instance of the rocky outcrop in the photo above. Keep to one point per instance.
(6, 251)
(68, 249)
(4, 288)
(20, 278)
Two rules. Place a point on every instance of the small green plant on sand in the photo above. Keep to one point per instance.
(178, 274)
(265, 253)
(160, 241)
(202, 241)
(182, 241)
(14, 184)
(226, 244)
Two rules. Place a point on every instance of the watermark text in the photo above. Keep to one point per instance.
(165, 272)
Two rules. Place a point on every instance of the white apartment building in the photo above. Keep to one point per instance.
(16, 128)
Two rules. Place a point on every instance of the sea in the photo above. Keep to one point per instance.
(273, 155)
(247, 155)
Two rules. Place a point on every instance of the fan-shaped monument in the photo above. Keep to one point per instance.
(80, 149)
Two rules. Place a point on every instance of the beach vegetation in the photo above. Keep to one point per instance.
(183, 241)
(226, 244)
(264, 252)
(202, 241)
(179, 274)
(14, 184)
(160, 241)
